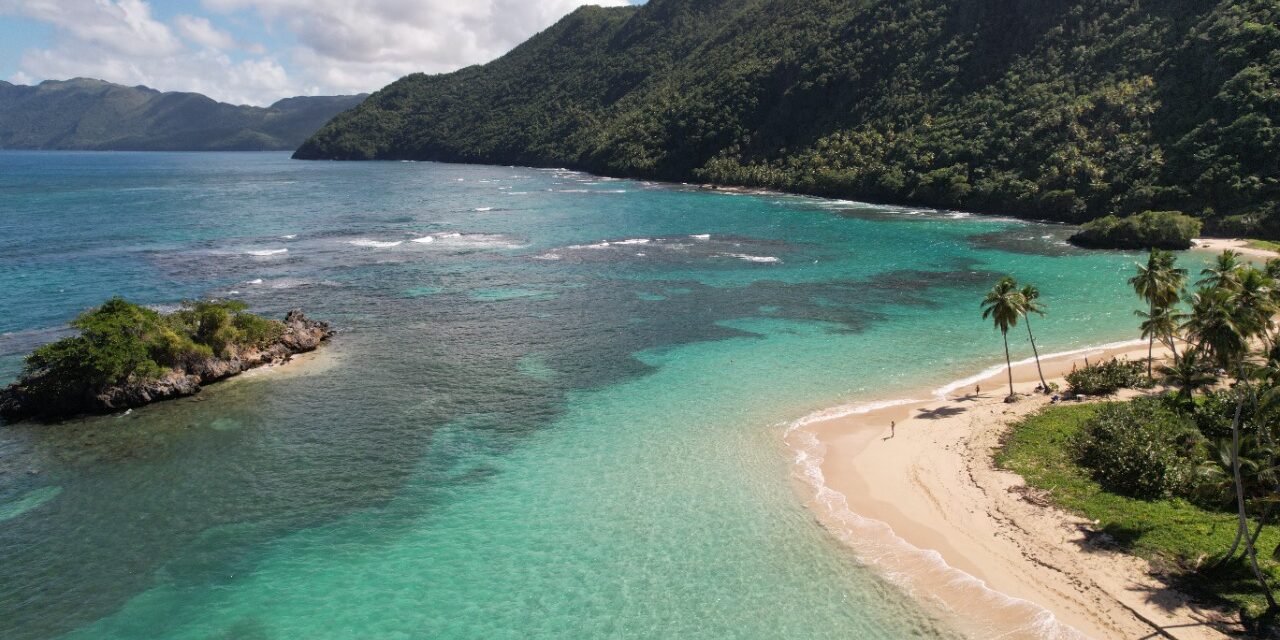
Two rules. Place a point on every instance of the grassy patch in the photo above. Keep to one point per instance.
(1179, 538)
(1265, 245)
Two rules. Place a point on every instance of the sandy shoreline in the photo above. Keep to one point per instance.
(1217, 245)
(928, 510)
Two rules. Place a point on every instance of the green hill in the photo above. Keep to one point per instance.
(1068, 110)
(92, 114)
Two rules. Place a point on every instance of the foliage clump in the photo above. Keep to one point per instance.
(1146, 230)
(1106, 378)
(121, 341)
(1142, 449)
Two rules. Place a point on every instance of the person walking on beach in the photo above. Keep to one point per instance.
(977, 389)
(893, 428)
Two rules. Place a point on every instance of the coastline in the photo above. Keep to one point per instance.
(929, 511)
(1220, 244)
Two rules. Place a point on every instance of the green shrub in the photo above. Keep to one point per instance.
(1146, 230)
(1106, 378)
(116, 341)
(1142, 449)
(1216, 410)
(122, 341)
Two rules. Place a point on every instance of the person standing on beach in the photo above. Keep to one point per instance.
(977, 389)
(893, 428)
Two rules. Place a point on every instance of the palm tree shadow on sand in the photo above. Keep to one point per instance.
(945, 411)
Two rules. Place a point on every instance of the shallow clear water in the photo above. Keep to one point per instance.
(520, 432)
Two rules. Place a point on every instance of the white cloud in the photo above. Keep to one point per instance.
(333, 46)
(359, 45)
(201, 31)
(122, 26)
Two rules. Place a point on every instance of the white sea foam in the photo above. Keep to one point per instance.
(750, 258)
(263, 253)
(483, 209)
(255, 281)
(945, 390)
(906, 565)
(701, 236)
(469, 240)
(634, 241)
(290, 236)
(846, 410)
(375, 244)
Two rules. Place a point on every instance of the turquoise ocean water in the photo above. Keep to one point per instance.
(555, 408)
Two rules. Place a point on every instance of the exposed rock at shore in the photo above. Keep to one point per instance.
(301, 335)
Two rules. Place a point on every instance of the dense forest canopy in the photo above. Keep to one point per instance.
(1068, 110)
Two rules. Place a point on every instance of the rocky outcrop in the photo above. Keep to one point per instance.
(301, 334)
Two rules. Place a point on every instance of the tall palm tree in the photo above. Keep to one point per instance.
(1221, 324)
(1175, 279)
(1254, 299)
(1003, 304)
(1158, 283)
(1031, 304)
(1224, 273)
(1162, 323)
(1215, 326)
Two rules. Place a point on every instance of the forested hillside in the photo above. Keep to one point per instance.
(92, 114)
(1066, 110)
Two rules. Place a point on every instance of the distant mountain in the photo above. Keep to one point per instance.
(1062, 109)
(93, 114)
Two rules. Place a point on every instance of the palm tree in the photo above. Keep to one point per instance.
(1003, 304)
(1215, 327)
(1031, 304)
(1158, 283)
(1224, 273)
(1221, 324)
(1161, 324)
(1254, 299)
(1272, 268)
(1189, 374)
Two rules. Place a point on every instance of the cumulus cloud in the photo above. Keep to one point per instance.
(201, 31)
(333, 46)
(346, 44)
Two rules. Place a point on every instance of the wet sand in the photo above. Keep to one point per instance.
(927, 508)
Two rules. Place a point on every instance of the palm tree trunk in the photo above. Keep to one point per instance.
(1231, 553)
(1043, 384)
(1262, 522)
(1151, 340)
(1243, 530)
(1008, 362)
(1173, 347)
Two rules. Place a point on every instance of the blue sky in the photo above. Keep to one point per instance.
(258, 51)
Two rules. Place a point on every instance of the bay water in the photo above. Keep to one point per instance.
(554, 409)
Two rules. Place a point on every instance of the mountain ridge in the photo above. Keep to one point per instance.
(92, 114)
(1068, 111)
